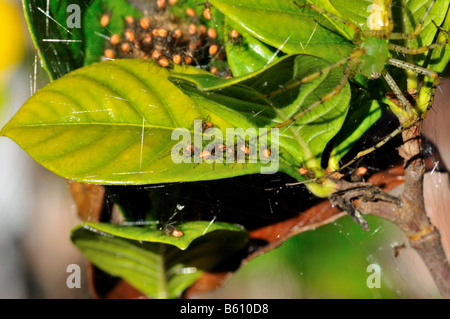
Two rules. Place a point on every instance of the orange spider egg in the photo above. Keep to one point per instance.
(190, 12)
(234, 34)
(129, 20)
(303, 171)
(190, 148)
(109, 53)
(177, 33)
(207, 13)
(205, 154)
(213, 49)
(161, 4)
(177, 233)
(208, 125)
(212, 33)
(163, 62)
(147, 39)
(129, 35)
(162, 32)
(192, 29)
(104, 20)
(115, 38)
(202, 29)
(144, 23)
(361, 171)
(156, 54)
(214, 70)
(245, 149)
(192, 46)
(266, 152)
(125, 47)
(176, 59)
(221, 147)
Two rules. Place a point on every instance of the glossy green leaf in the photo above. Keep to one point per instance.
(191, 231)
(363, 113)
(112, 123)
(441, 55)
(439, 59)
(285, 26)
(306, 139)
(247, 54)
(158, 269)
(55, 34)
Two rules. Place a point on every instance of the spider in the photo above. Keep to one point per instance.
(369, 58)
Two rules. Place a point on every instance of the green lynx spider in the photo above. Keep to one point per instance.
(369, 58)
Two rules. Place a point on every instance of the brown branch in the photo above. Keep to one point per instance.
(408, 213)
(423, 236)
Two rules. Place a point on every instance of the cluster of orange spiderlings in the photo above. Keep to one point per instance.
(237, 151)
(167, 40)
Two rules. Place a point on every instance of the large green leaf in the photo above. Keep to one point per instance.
(285, 26)
(155, 233)
(247, 54)
(441, 55)
(152, 261)
(307, 138)
(363, 113)
(111, 122)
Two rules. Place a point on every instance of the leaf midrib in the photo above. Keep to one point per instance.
(132, 125)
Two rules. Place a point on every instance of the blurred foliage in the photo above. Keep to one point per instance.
(331, 262)
(12, 45)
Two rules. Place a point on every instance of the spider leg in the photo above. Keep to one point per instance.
(420, 50)
(354, 55)
(361, 154)
(406, 106)
(398, 93)
(349, 72)
(351, 25)
(403, 101)
(417, 29)
(429, 73)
